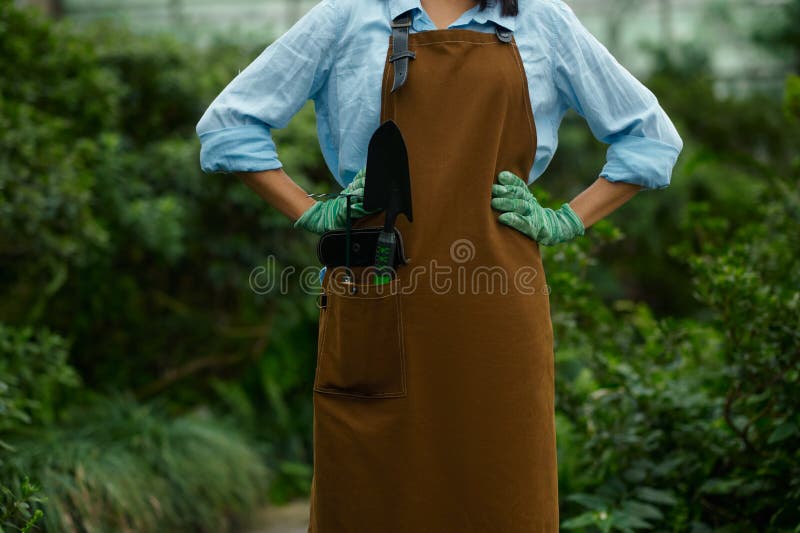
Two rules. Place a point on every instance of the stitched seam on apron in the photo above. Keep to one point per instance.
(446, 42)
(337, 392)
(384, 83)
(319, 348)
(401, 338)
(363, 297)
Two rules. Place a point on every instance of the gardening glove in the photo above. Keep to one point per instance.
(523, 212)
(332, 213)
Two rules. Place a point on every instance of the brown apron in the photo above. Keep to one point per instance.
(434, 399)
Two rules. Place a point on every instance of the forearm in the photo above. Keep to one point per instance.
(279, 191)
(601, 198)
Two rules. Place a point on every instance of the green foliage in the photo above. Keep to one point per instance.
(121, 466)
(780, 33)
(732, 147)
(46, 117)
(791, 100)
(89, 206)
(688, 423)
(99, 181)
(17, 510)
(271, 401)
(33, 375)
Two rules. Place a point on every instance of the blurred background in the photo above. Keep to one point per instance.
(145, 387)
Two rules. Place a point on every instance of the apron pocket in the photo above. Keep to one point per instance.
(360, 350)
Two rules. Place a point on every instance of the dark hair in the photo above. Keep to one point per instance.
(510, 7)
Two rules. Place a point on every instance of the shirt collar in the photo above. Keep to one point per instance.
(491, 13)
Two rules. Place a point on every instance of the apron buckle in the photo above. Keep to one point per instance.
(503, 34)
(400, 55)
(402, 21)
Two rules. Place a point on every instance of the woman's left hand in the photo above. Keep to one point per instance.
(522, 212)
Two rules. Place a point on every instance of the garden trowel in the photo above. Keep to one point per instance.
(387, 186)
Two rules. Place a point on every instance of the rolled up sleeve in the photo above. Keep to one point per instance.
(235, 131)
(619, 109)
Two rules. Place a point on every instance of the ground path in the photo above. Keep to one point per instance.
(288, 518)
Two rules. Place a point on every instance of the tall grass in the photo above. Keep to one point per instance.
(126, 467)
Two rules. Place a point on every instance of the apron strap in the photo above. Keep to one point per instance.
(400, 52)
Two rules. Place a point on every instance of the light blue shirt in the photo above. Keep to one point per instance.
(335, 56)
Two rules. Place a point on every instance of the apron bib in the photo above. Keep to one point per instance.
(434, 396)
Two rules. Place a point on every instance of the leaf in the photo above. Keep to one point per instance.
(643, 510)
(699, 527)
(720, 486)
(596, 503)
(782, 432)
(583, 520)
(625, 522)
(657, 496)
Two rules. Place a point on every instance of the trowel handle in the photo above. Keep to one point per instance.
(384, 257)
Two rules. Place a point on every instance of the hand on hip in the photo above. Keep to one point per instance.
(332, 214)
(521, 211)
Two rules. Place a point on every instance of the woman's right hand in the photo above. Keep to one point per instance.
(332, 214)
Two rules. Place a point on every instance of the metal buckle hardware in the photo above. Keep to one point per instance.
(400, 55)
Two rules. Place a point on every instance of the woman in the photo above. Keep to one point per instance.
(433, 407)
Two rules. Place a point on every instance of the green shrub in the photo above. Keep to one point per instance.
(686, 424)
(33, 376)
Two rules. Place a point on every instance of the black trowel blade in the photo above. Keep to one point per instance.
(388, 183)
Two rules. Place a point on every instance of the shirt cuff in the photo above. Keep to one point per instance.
(640, 160)
(247, 148)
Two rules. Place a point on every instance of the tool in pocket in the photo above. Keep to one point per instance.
(361, 340)
(388, 187)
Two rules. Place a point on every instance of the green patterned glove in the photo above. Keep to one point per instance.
(332, 214)
(523, 212)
